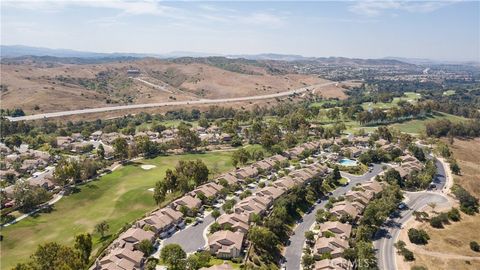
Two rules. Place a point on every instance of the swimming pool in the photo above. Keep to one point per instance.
(347, 162)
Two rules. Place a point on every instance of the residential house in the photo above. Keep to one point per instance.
(239, 222)
(230, 177)
(343, 230)
(226, 244)
(373, 186)
(247, 172)
(333, 245)
(210, 190)
(188, 201)
(136, 235)
(340, 209)
(333, 264)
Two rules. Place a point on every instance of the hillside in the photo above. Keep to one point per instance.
(47, 84)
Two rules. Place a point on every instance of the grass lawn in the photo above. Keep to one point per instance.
(343, 181)
(418, 125)
(118, 198)
(215, 261)
(407, 96)
(449, 93)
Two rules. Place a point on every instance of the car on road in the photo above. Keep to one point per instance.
(402, 206)
(432, 186)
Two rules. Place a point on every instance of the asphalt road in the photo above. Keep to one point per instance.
(164, 104)
(293, 252)
(190, 238)
(388, 233)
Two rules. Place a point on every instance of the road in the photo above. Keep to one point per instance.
(165, 104)
(388, 233)
(192, 237)
(293, 252)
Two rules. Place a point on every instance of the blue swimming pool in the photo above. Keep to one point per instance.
(347, 162)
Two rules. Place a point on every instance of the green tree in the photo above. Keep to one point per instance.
(146, 247)
(120, 148)
(55, 256)
(186, 138)
(215, 214)
(241, 156)
(102, 228)
(173, 256)
(262, 238)
(159, 192)
(101, 152)
(83, 243)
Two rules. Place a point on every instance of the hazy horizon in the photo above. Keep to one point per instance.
(441, 30)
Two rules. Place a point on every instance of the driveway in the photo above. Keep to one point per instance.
(388, 233)
(191, 238)
(294, 251)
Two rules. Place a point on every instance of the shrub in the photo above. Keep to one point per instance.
(436, 222)
(419, 237)
(408, 255)
(454, 214)
(416, 267)
(475, 246)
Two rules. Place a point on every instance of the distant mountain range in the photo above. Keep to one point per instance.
(12, 51)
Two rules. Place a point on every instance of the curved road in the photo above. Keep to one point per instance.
(164, 104)
(293, 252)
(388, 233)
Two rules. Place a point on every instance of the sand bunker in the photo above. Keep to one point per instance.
(148, 167)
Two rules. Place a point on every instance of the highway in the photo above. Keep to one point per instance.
(293, 252)
(388, 233)
(165, 104)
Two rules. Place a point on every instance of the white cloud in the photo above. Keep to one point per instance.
(124, 6)
(374, 7)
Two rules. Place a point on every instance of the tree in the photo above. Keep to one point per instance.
(28, 197)
(120, 148)
(173, 256)
(55, 256)
(454, 214)
(102, 228)
(468, 203)
(215, 214)
(203, 122)
(198, 260)
(336, 174)
(146, 247)
(159, 192)
(310, 236)
(475, 246)
(419, 237)
(83, 243)
(263, 238)
(240, 156)
(170, 180)
(186, 138)
(13, 141)
(455, 168)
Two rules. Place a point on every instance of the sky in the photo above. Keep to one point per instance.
(441, 30)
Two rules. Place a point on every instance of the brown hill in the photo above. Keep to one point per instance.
(47, 86)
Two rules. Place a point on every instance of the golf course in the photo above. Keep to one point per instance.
(118, 198)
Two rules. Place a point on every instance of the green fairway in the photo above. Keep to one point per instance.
(118, 198)
(417, 126)
(407, 96)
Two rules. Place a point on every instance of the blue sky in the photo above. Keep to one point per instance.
(443, 30)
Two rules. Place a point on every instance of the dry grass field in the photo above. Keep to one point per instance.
(47, 87)
(455, 238)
